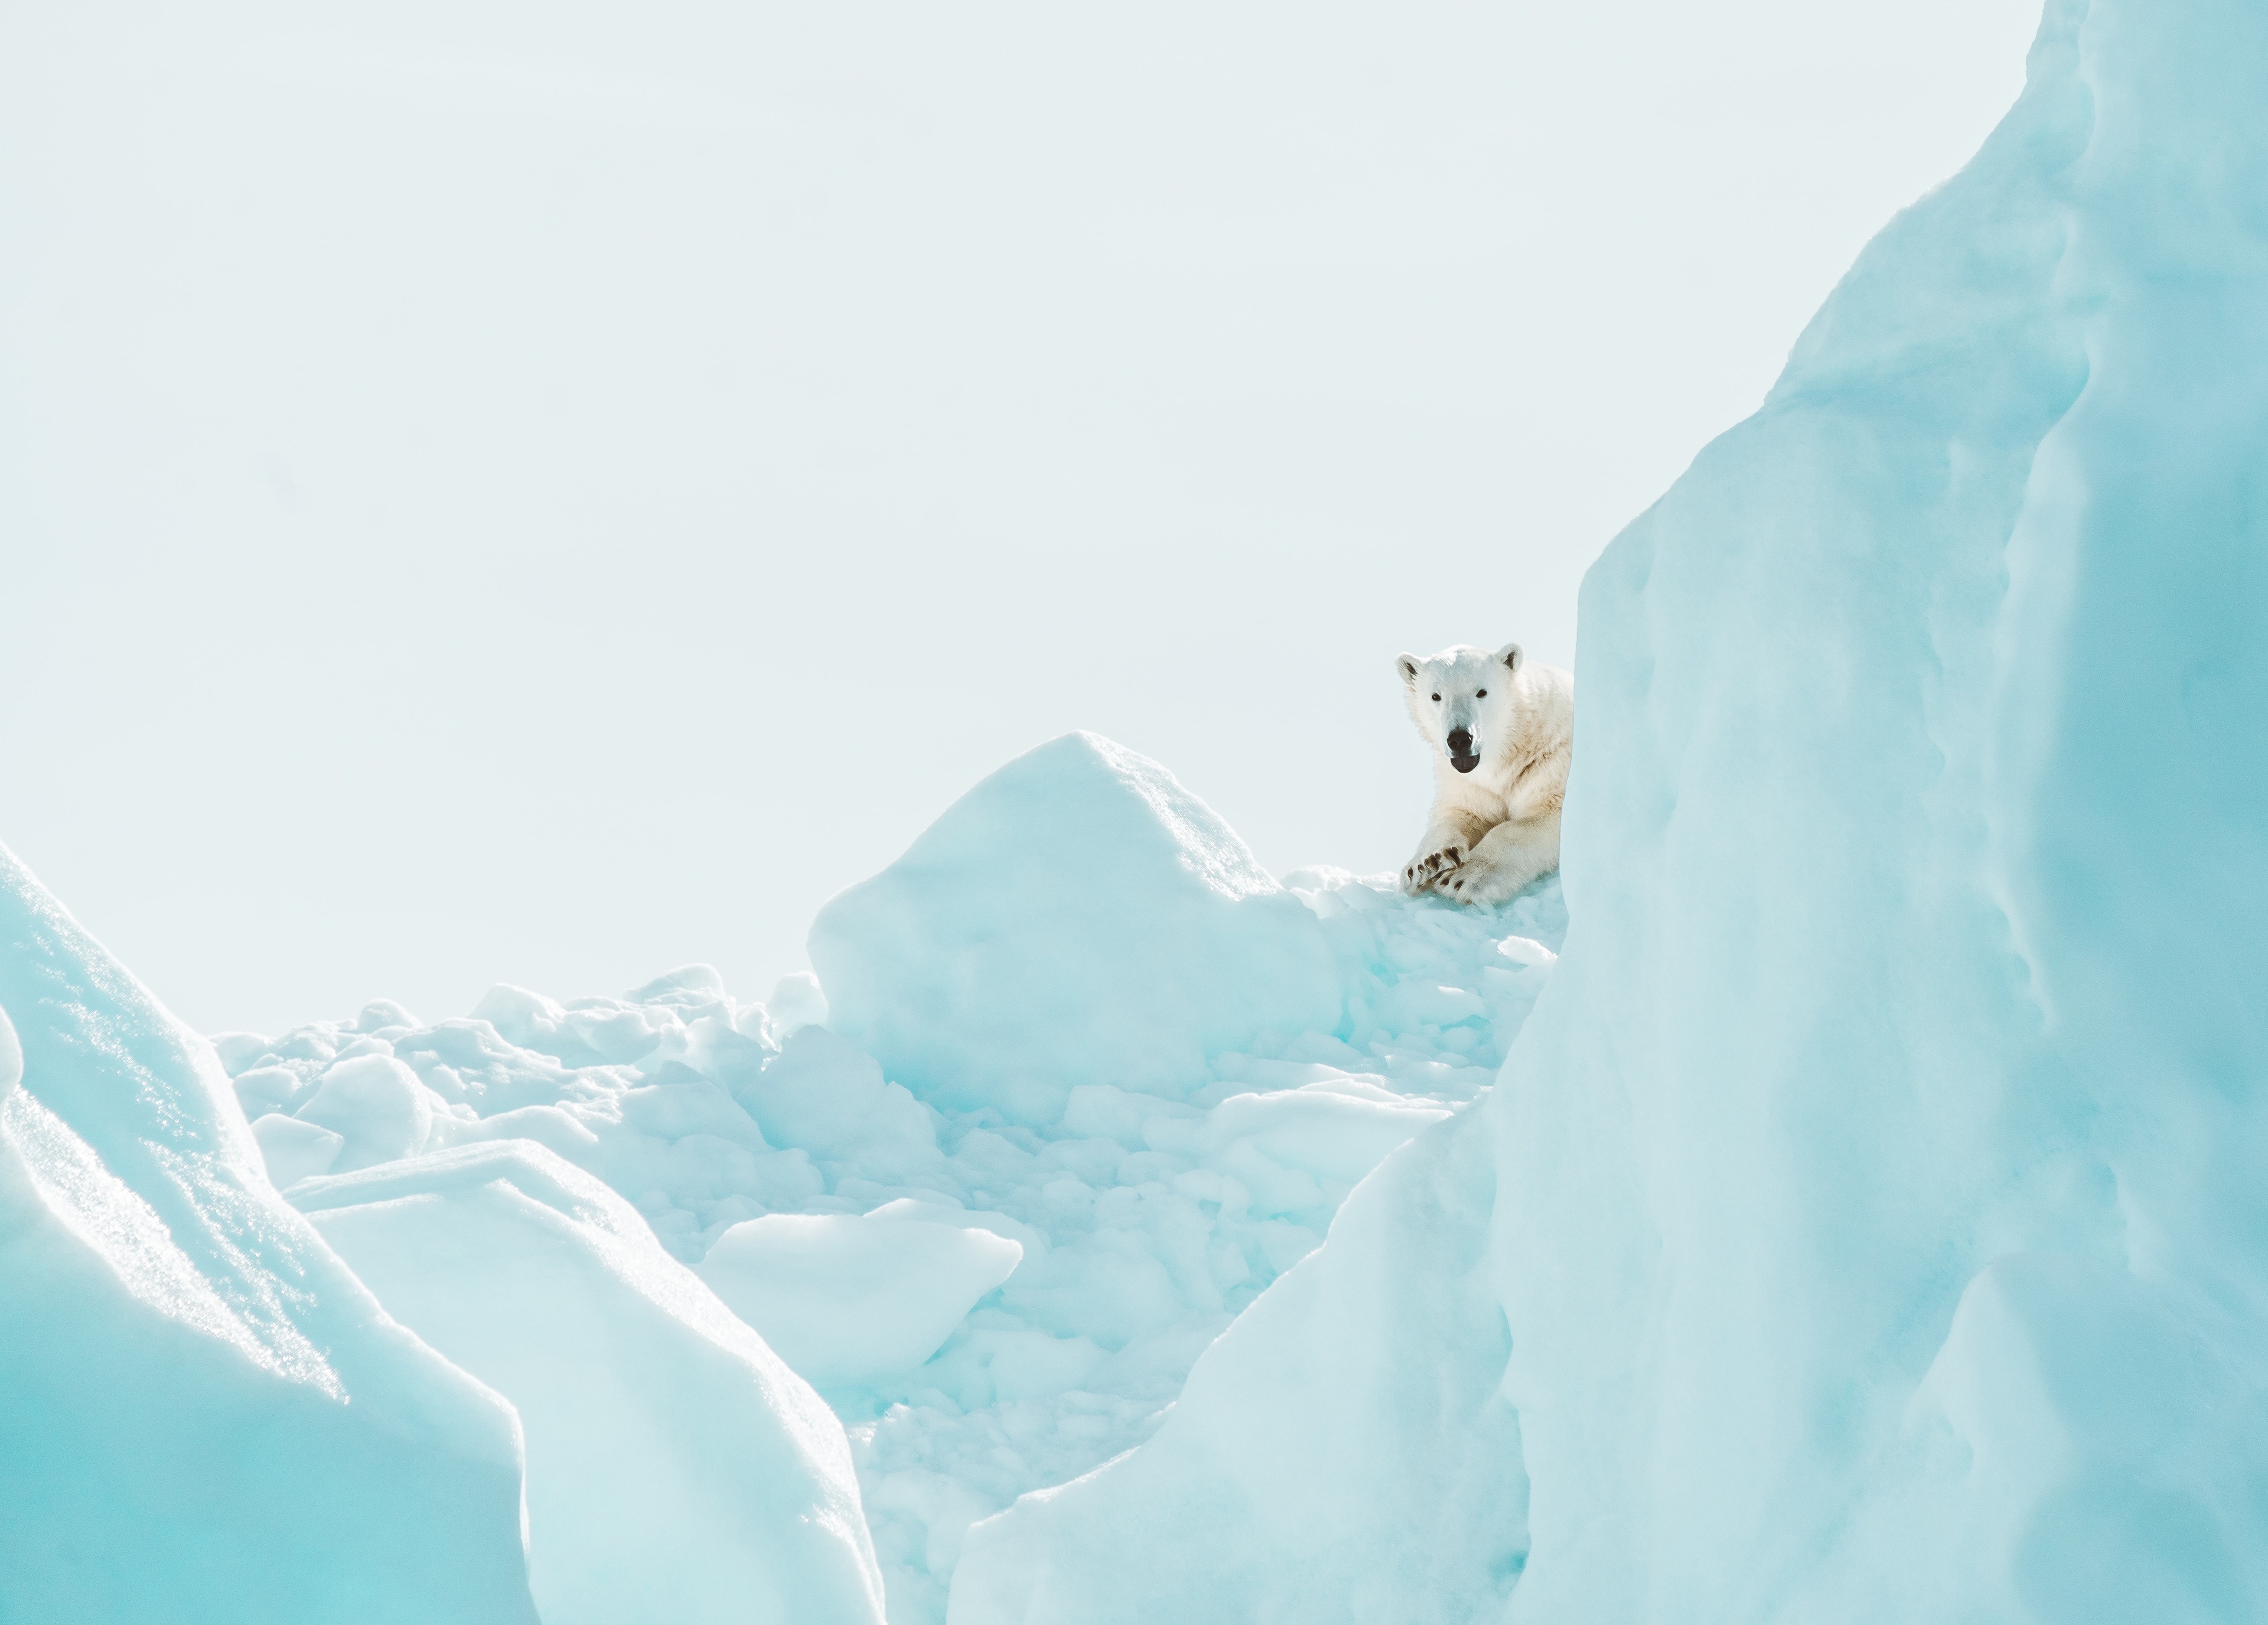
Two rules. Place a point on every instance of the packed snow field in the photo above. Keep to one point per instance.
(1868, 1220)
(1000, 1282)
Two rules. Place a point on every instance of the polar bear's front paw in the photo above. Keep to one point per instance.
(1428, 869)
(1465, 886)
(1483, 882)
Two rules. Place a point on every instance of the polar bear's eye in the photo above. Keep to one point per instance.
(1437, 696)
(1481, 694)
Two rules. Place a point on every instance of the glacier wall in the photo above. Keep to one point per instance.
(1875, 1200)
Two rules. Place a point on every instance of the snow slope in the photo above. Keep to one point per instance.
(999, 1274)
(1877, 1202)
(1343, 1452)
(677, 1470)
(204, 1415)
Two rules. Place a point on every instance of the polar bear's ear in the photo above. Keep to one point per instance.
(1510, 656)
(1407, 665)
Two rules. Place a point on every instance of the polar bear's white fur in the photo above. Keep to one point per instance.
(1502, 729)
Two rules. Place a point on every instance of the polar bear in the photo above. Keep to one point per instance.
(1502, 729)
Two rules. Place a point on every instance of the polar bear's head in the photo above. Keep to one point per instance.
(1461, 700)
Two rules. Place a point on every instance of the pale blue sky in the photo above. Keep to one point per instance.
(539, 493)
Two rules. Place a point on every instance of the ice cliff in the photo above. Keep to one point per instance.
(1868, 1221)
(1876, 1207)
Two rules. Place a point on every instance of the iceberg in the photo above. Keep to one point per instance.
(1876, 1202)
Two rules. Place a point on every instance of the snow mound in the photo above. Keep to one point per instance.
(204, 1415)
(1077, 918)
(676, 1469)
(377, 1107)
(853, 1301)
(295, 1150)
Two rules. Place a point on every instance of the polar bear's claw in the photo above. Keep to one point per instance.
(1426, 872)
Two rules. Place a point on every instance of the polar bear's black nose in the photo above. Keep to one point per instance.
(1460, 742)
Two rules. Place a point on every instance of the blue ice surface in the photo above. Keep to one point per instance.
(1868, 1221)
